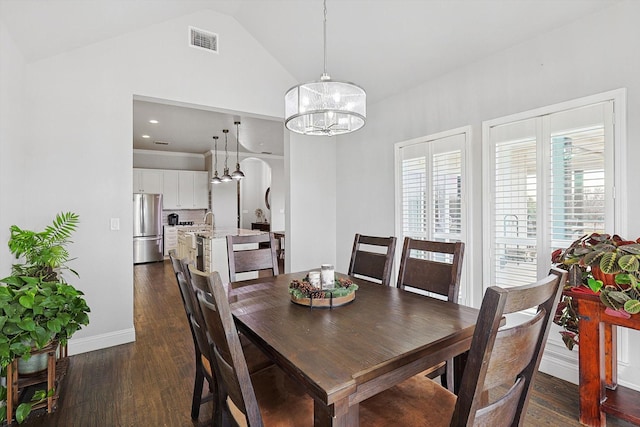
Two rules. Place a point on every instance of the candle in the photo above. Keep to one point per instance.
(328, 276)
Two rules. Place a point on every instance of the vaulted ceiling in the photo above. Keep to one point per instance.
(386, 46)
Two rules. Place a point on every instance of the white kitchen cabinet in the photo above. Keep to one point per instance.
(185, 189)
(170, 193)
(201, 190)
(147, 181)
(170, 239)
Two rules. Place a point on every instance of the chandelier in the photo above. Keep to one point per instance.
(325, 107)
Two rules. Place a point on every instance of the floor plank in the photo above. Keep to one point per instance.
(149, 382)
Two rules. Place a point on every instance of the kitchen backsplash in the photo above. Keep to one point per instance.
(187, 215)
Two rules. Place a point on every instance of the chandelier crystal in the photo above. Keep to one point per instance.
(325, 107)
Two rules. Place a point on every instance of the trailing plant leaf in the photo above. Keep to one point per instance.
(633, 248)
(618, 296)
(594, 285)
(629, 263)
(608, 301)
(632, 306)
(609, 263)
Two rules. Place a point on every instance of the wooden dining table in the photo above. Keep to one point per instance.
(344, 355)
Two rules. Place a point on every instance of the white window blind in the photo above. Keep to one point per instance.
(548, 188)
(431, 185)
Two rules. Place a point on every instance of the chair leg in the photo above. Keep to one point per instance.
(198, 383)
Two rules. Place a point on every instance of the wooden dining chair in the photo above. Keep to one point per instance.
(433, 268)
(256, 358)
(265, 398)
(499, 373)
(261, 257)
(373, 260)
(203, 358)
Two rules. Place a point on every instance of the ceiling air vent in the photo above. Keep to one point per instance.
(203, 39)
(160, 142)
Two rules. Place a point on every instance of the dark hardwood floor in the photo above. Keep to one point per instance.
(149, 382)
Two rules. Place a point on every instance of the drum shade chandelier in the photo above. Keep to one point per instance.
(325, 107)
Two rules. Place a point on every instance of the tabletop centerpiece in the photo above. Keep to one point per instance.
(303, 292)
(603, 265)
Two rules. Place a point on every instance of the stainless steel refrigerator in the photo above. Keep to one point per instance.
(147, 228)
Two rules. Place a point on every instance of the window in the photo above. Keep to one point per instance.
(430, 192)
(549, 179)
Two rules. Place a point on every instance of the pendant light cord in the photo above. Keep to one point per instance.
(237, 142)
(215, 141)
(325, 38)
(226, 153)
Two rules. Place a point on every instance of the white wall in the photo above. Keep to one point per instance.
(12, 125)
(76, 153)
(592, 55)
(311, 216)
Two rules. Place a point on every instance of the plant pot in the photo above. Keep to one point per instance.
(37, 362)
(606, 279)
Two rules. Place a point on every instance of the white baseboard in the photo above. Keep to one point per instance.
(98, 342)
(560, 362)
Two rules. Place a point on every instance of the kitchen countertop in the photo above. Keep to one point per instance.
(220, 233)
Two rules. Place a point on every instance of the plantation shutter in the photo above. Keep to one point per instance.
(548, 187)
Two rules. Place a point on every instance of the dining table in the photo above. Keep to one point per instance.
(346, 354)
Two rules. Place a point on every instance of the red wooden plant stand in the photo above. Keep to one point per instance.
(600, 393)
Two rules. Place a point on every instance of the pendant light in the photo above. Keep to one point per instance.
(237, 174)
(325, 107)
(215, 179)
(225, 177)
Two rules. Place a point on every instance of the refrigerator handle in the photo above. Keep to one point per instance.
(143, 227)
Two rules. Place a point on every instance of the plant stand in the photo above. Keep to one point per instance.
(600, 393)
(52, 376)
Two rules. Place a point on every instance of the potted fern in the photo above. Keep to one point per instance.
(37, 304)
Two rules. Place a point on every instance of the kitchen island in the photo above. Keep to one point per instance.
(207, 249)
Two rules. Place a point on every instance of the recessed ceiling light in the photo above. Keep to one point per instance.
(154, 121)
(146, 136)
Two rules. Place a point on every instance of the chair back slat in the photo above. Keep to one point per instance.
(502, 412)
(506, 358)
(512, 352)
(368, 263)
(262, 257)
(423, 266)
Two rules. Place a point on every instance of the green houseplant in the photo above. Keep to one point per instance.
(602, 264)
(38, 305)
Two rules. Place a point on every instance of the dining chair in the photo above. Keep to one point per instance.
(266, 398)
(258, 258)
(203, 357)
(256, 358)
(374, 259)
(434, 268)
(499, 372)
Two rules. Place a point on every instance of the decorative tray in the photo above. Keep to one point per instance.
(303, 293)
